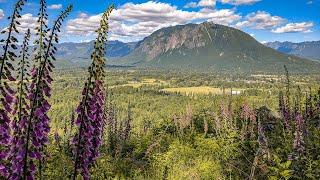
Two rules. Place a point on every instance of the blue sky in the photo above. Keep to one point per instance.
(266, 20)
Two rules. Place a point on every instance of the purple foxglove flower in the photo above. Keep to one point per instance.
(91, 108)
(34, 72)
(56, 137)
(10, 78)
(286, 117)
(4, 170)
(284, 110)
(4, 126)
(9, 99)
(247, 113)
(39, 113)
(225, 113)
(249, 121)
(298, 143)
(32, 126)
(9, 90)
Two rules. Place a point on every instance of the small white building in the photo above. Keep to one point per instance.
(235, 92)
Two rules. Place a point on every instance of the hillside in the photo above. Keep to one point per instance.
(78, 54)
(309, 50)
(210, 47)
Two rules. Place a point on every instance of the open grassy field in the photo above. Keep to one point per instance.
(204, 90)
(144, 82)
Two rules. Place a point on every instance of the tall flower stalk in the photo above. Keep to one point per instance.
(309, 106)
(298, 144)
(318, 107)
(5, 65)
(249, 121)
(41, 32)
(284, 102)
(21, 109)
(40, 46)
(6, 92)
(91, 108)
(284, 111)
(288, 83)
(38, 120)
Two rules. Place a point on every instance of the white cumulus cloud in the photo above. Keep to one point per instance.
(207, 3)
(201, 3)
(212, 3)
(261, 20)
(191, 5)
(295, 27)
(55, 6)
(27, 21)
(239, 2)
(1, 14)
(136, 21)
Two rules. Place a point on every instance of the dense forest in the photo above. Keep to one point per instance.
(127, 123)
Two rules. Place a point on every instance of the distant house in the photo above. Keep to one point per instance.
(235, 92)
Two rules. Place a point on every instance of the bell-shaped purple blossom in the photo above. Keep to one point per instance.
(284, 110)
(34, 123)
(7, 101)
(298, 144)
(224, 112)
(90, 120)
(262, 140)
(249, 121)
(98, 123)
(318, 103)
(6, 92)
(25, 126)
(127, 128)
(226, 117)
(247, 113)
(309, 107)
(57, 137)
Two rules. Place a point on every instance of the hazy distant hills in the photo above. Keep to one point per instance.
(309, 50)
(211, 47)
(84, 50)
(78, 54)
(205, 47)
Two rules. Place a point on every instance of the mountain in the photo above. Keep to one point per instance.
(210, 47)
(78, 54)
(84, 50)
(309, 50)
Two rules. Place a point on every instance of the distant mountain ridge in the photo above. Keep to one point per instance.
(114, 49)
(210, 47)
(78, 54)
(310, 50)
(72, 54)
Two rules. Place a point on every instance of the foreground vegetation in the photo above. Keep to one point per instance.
(137, 124)
(199, 136)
